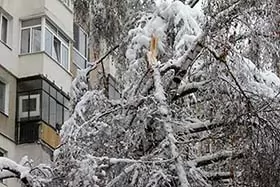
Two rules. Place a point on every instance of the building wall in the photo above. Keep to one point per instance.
(7, 120)
(13, 66)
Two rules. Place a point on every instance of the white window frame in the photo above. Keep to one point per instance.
(56, 34)
(31, 37)
(8, 29)
(44, 26)
(31, 113)
(77, 51)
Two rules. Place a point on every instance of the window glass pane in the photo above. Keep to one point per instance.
(66, 114)
(82, 43)
(64, 56)
(4, 29)
(59, 113)
(36, 39)
(53, 91)
(25, 105)
(31, 22)
(45, 107)
(76, 36)
(56, 49)
(32, 104)
(66, 102)
(51, 26)
(63, 38)
(52, 117)
(48, 42)
(46, 86)
(79, 60)
(59, 97)
(2, 97)
(25, 41)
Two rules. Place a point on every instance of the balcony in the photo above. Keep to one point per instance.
(41, 111)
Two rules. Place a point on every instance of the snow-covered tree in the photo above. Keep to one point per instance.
(194, 107)
(200, 105)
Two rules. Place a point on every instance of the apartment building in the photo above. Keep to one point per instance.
(41, 49)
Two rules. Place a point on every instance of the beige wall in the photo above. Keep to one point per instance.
(7, 120)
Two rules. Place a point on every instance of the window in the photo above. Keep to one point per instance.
(31, 36)
(4, 29)
(80, 47)
(2, 96)
(29, 106)
(29, 132)
(56, 49)
(38, 99)
(36, 39)
(57, 45)
(25, 41)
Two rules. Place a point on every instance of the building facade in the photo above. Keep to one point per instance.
(40, 51)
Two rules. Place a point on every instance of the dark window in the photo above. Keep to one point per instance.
(32, 104)
(52, 92)
(52, 119)
(2, 96)
(4, 29)
(29, 106)
(59, 115)
(25, 107)
(29, 132)
(56, 49)
(30, 85)
(45, 106)
(46, 86)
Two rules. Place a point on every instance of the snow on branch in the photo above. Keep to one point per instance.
(215, 157)
(160, 96)
(30, 176)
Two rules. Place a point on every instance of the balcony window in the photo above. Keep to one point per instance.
(56, 43)
(80, 47)
(31, 36)
(29, 106)
(38, 99)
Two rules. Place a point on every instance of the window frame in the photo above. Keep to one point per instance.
(47, 26)
(7, 29)
(29, 113)
(30, 48)
(81, 30)
(56, 35)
